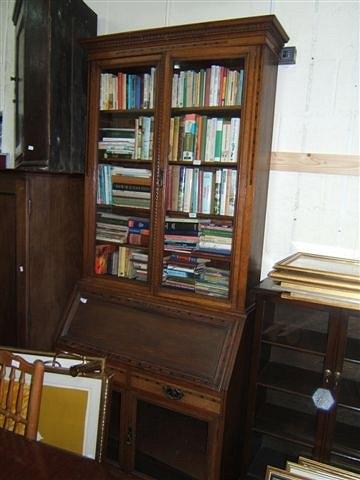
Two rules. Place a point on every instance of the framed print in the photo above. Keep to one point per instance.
(330, 267)
(73, 410)
(339, 473)
(273, 473)
(307, 473)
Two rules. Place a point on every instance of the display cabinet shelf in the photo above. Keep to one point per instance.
(286, 378)
(308, 342)
(285, 423)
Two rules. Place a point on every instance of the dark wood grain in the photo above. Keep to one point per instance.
(41, 254)
(26, 459)
(8, 325)
(51, 80)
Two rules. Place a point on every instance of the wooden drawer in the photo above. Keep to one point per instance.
(176, 394)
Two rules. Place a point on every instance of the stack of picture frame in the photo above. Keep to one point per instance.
(319, 278)
(307, 469)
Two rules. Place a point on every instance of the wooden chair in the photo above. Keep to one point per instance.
(20, 394)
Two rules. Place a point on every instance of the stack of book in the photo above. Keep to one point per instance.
(114, 228)
(213, 281)
(216, 238)
(320, 279)
(214, 86)
(106, 259)
(111, 228)
(131, 187)
(118, 142)
(139, 231)
(181, 234)
(181, 271)
(127, 91)
(139, 265)
(197, 137)
(195, 190)
(128, 143)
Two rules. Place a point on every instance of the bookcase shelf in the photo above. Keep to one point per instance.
(122, 162)
(222, 110)
(204, 164)
(128, 112)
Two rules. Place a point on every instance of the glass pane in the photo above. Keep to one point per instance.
(296, 327)
(202, 175)
(352, 352)
(285, 416)
(170, 445)
(345, 462)
(124, 187)
(113, 435)
(281, 368)
(347, 432)
(275, 452)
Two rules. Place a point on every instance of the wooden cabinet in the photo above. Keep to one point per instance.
(50, 83)
(180, 126)
(300, 348)
(41, 249)
(177, 401)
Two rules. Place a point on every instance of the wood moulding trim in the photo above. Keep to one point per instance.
(263, 26)
(316, 163)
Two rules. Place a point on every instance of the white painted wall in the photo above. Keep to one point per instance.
(317, 110)
(7, 63)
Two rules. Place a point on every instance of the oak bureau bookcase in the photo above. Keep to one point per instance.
(179, 139)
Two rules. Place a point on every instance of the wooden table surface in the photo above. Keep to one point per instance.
(22, 459)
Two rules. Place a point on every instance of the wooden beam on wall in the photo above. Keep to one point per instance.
(316, 163)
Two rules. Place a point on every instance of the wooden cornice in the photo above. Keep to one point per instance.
(252, 30)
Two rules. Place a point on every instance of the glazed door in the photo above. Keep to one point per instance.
(169, 444)
(13, 228)
(345, 445)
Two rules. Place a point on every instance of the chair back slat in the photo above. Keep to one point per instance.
(20, 394)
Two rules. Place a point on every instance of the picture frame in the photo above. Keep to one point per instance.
(322, 265)
(305, 472)
(339, 473)
(75, 393)
(274, 473)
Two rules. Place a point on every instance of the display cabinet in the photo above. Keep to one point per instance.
(180, 127)
(50, 83)
(306, 393)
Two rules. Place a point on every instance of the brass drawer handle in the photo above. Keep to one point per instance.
(173, 393)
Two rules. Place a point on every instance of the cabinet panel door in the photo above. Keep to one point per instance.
(171, 444)
(13, 329)
(345, 449)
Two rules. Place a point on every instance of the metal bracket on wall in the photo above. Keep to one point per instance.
(287, 56)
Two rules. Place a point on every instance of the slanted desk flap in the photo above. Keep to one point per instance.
(170, 341)
(72, 412)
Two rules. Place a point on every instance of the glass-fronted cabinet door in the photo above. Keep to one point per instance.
(125, 171)
(293, 365)
(202, 168)
(345, 448)
(113, 448)
(170, 444)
